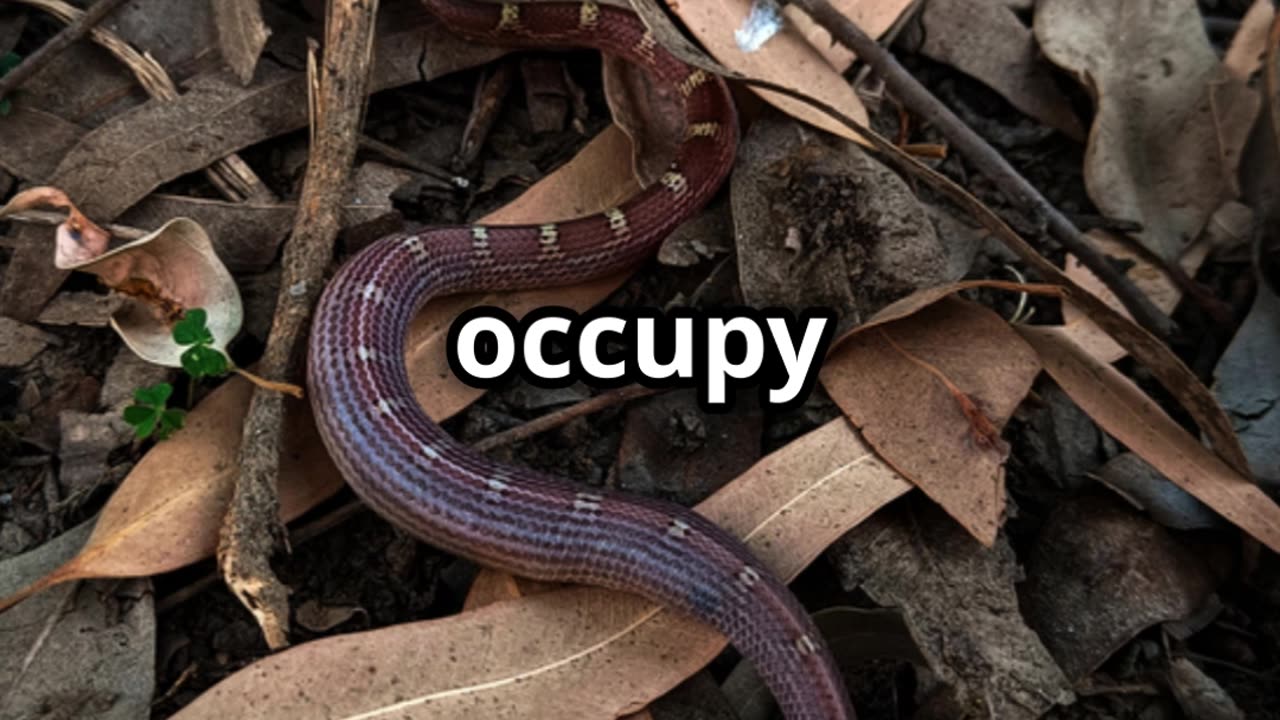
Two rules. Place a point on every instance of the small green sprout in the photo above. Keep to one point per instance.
(201, 359)
(150, 414)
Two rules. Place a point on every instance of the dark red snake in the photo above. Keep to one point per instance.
(410, 471)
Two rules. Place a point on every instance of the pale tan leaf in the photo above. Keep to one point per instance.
(1135, 420)
(167, 512)
(1151, 280)
(930, 393)
(574, 652)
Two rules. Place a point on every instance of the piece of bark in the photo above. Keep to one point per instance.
(959, 601)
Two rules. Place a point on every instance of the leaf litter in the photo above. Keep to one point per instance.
(929, 372)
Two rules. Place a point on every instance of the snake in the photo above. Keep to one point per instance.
(414, 474)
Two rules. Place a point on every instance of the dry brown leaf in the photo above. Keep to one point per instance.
(1157, 152)
(118, 163)
(77, 239)
(1151, 280)
(167, 512)
(1244, 57)
(1100, 573)
(786, 59)
(574, 652)
(1135, 420)
(930, 393)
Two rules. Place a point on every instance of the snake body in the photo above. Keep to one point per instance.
(410, 471)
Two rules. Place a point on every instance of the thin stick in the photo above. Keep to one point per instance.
(69, 34)
(251, 530)
(564, 415)
(989, 162)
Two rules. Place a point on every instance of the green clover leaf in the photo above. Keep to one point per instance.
(202, 361)
(193, 328)
(149, 416)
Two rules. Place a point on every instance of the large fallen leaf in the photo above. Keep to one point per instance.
(574, 652)
(820, 222)
(1100, 573)
(167, 512)
(1249, 386)
(930, 393)
(1157, 153)
(1134, 419)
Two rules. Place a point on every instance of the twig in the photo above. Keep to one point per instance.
(564, 415)
(916, 97)
(301, 535)
(447, 179)
(50, 50)
(252, 524)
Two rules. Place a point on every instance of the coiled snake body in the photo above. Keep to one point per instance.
(412, 473)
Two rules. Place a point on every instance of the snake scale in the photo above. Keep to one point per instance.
(407, 469)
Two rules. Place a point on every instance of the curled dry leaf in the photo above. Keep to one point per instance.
(163, 273)
(173, 268)
(78, 238)
(574, 652)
